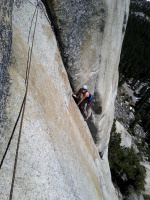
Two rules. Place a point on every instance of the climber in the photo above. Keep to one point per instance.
(86, 100)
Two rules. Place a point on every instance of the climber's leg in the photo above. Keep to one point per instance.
(88, 111)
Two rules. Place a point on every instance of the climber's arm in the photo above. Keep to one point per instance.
(85, 95)
(77, 95)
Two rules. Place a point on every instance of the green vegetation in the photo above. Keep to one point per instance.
(134, 64)
(146, 197)
(144, 150)
(126, 171)
(142, 146)
(135, 52)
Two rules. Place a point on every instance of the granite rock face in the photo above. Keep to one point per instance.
(90, 34)
(126, 138)
(147, 180)
(79, 28)
(5, 46)
(57, 156)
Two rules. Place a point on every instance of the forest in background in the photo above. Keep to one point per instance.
(134, 65)
(127, 173)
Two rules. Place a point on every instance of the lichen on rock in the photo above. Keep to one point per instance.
(5, 48)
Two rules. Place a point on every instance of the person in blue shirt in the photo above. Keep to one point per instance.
(86, 100)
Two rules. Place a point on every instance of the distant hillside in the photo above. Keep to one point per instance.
(134, 65)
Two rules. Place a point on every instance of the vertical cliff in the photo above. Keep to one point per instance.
(57, 156)
(90, 35)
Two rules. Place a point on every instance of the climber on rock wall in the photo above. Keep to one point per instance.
(85, 101)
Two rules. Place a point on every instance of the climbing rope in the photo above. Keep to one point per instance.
(28, 60)
(23, 105)
(12, 134)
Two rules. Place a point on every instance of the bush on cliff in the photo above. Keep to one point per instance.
(126, 171)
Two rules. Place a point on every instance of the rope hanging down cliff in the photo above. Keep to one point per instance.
(24, 104)
(14, 128)
(22, 109)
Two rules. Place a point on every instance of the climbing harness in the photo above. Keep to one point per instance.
(91, 103)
